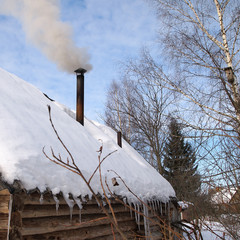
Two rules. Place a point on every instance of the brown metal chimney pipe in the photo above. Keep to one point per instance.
(80, 95)
(119, 139)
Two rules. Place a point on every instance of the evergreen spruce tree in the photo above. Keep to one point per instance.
(180, 167)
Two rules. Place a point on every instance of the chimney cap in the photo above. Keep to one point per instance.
(80, 71)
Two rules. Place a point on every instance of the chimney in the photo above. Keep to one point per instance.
(230, 74)
(80, 95)
(119, 139)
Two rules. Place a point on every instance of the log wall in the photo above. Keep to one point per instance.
(39, 217)
(4, 204)
(35, 219)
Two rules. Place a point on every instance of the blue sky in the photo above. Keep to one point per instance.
(112, 31)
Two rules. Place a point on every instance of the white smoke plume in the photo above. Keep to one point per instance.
(44, 29)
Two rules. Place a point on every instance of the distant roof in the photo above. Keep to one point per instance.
(223, 195)
(25, 130)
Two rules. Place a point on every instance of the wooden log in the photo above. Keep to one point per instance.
(4, 224)
(4, 198)
(4, 207)
(4, 192)
(18, 201)
(40, 220)
(54, 231)
(15, 234)
(4, 202)
(3, 234)
(3, 216)
(35, 211)
(129, 234)
(62, 222)
(16, 219)
(83, 233)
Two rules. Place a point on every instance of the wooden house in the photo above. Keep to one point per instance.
(36, 215)
(226, 199)
(40, 199)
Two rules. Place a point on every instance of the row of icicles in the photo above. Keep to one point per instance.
(156, 206)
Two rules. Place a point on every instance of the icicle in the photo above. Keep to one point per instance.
(146, 222)
(154, 206)
(41, 199)
(80, 215)
(83, 199)
(157, 206)
(90, 197)
(138, 217)
(71, 212)
(79, 203)
(130, 207)
(70, 203)
(144, 219)
(161, 208)
(168, 211)
(135, 208)
(57, 203)
(125, 202)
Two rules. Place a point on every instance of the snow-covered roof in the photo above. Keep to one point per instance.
(224, 195)
(25, 129)
(184, 204)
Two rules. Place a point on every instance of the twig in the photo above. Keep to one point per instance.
(100, 165)
(113, 232)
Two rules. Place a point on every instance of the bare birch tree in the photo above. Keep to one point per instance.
(202, 39)
(200, 68)
(138, 109)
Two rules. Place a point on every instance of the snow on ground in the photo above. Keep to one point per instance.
(25, 130)
(211, 231)
(217, 231)
(224, 195)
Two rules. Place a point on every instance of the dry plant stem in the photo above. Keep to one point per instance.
(207, 227)
(74, 168)
(60, 140)
(113, 232)
(104, 192)
(214, 233)
(100, 165)
(188, 234)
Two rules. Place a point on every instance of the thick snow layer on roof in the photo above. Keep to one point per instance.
(25, 129)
